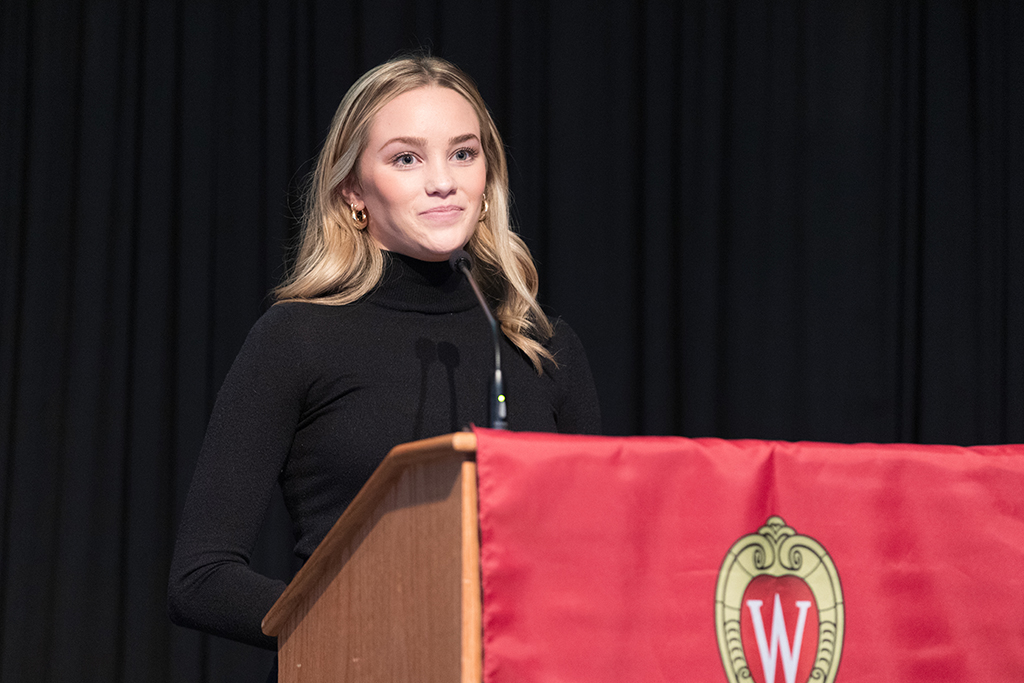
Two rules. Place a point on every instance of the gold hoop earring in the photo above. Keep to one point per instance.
(359, 216)
(483, 214)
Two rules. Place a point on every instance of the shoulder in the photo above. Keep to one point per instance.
(286, 332)
(293, 320)
(578, 409)
(288, 314)
(276, 328)
(564, 343)
(299, 333)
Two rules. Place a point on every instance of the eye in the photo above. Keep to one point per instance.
(465, 154)
(403, 159)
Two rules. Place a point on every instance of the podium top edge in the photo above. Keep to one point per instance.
(460, 442)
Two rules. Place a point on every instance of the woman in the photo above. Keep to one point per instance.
(375, 340)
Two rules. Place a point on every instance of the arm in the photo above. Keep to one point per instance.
(578, 408)
(211, 586)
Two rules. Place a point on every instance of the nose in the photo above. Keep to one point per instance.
(440, 181)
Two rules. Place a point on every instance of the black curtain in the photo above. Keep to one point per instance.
(780, 220)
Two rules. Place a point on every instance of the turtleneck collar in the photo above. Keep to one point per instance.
(409, 284)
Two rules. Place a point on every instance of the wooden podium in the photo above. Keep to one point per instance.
(612, 559)
(393, 592)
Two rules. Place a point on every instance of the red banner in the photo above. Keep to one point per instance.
(671, 559)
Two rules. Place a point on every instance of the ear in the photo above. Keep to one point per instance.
(351, 190)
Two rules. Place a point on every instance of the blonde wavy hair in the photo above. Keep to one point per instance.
(338, 263)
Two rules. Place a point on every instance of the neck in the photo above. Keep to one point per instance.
(424, 286)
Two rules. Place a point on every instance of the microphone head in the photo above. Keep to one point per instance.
(458, 257)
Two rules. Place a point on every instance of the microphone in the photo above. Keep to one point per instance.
(460, 261)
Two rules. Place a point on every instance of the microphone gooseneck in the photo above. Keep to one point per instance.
(461, 261)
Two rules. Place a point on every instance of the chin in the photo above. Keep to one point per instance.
(442, 249)
(438, 254)
(427, 245)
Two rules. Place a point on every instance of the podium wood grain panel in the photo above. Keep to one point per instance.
(393, 592)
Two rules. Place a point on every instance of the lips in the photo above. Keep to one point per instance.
(447, 210)
(443, 215)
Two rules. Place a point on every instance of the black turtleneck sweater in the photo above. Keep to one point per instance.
(314, 401)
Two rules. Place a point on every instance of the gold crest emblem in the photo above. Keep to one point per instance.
(779, 609)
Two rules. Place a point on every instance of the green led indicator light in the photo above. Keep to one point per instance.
(501, 398)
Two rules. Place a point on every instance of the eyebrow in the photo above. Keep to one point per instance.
(422, 142)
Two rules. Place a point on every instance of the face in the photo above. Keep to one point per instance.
(422, 175)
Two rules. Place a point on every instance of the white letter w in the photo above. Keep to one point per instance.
(790, 658)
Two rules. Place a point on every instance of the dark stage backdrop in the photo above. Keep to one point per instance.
(783, 220)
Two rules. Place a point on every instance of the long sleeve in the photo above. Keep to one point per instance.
(578, 409)
(211, 586)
